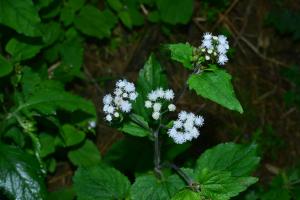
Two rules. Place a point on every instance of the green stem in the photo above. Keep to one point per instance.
(157, 167)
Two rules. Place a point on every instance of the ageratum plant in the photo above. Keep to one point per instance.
(145, 109)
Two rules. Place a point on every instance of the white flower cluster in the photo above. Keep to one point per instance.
(156, 98)
(185, 127)
(215, 47)
(120, 101)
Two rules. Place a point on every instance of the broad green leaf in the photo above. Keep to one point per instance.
(150, 78)
(47, 144)
(62, 194)
(216, 86)
(219, 185)
(94, 22)
(148, 187)
(186, 195)
(136, 127)
(86, 155)
(48, 96)
(67, 13)
(125, 18)
(16, 135)
(182, 53)
(20, 50)
(20, 175)
(224, 171)
(5, 66)
(100, 182)
(51, 32)
(277, 193)
(175, 11)
(240, 160)
(71, 135)
(20, 16)
(116, 5)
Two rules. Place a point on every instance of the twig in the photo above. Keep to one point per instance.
(52, 68)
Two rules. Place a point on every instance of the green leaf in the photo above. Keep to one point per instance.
(175, 11)
(240, 160)
(216, 86)
(100, 182)
(20, 175)
(21, 16)
(219, 185)
(71, 135)
(94, 22)
(150, 78)
(5, 66)
(62, 194)
(182, 53)
(67, 13)
(148, 187)
(86, 155)
(47, 144)
(116, 5)
(48, 96)
(20, 50)
(186, 195)
(224, 171)
(51, 32)
(137, 127)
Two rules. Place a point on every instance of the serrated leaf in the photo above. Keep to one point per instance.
(149, 187)
(51, 32)
(182, 53)
(71, 135)
(150, 78)
(5, 66)
(94, 22)
(67, 13)
(20, 16)
(86, 155)
(100, 182)
(216, 86)
(186, 195)
(238, 159)
(20, 50)
(224, 171)
(20, 175)
(219, 185)
(175, 11)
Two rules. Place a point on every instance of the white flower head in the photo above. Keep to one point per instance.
(126, 106)
(121, 83)
(221, 49)
(157, 107)
(129, 87)
(207, 44)
(185, 127)
(169, 94)
(116, 114)
(92, 124)
(107, 99)
(148, 104)
(222, 59)
(160, 93)
(133, 96)
(207, 36)
(171, 107)
(152, 96)
(108, 118)
(155, 115)
(222, 39)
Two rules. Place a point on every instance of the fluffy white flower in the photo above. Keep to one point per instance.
(92, 124)
(152, 96)
(182, 115)
(156, 107)
(155, 115)
(172, 132)
(207, 57)
(221, 49)
(207, 44)
(148, 104)
(110, 109)
(129, 87)
(215, 38)
(222, 39)
(199, 121)
(126, 106)
(222, 59)
(118, 100)
(178, 124)
(116, 114)
(209, 51)
(207, 36)
(133, 96)
(169, 94)
(107, 99)
(108, 118)
(179, 138)
(121, 83)
(171, 107)
(160, 93)
(118, 92)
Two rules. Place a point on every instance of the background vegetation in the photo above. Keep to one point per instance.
(58, 59)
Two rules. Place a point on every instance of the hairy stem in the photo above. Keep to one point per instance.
(157, 167)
